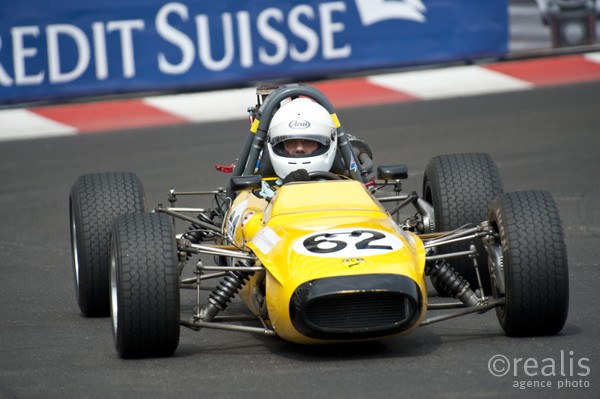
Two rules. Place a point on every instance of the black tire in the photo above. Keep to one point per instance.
(144, 284)
(95, 201)
(460, 187)
(535, 263)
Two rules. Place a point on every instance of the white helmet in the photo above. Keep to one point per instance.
(302, 119)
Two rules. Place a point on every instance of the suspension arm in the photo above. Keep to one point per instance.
(198, 324)
(461, 234)
(451, 255)
(408, 200)
(234, 268)
(480, 308)
(196, 221)
(211, 250)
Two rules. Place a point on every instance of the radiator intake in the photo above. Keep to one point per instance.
(355, 307)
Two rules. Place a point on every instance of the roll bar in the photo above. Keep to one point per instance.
(255, 141)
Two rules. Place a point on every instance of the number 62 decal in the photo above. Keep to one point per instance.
(347, 243)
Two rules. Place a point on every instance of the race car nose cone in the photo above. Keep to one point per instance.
(355, 307)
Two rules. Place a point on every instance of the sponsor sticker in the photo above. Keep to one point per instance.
(299, 124)
(353, 263)
(266, 239)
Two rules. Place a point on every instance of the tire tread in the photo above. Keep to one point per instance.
(98, 199)
(536, 264)
(148, 286)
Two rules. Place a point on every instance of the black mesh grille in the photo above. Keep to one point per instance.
(362, 306)
(355, 312)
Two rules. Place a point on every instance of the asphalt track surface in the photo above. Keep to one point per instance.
(541, 139)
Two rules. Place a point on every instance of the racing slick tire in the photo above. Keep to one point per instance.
(144, 285)
(535, 263)
(460, 187)
(95, 201)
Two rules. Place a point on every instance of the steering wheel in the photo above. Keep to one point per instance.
(316, 175)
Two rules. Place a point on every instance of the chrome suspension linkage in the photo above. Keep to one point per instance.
(480, 308)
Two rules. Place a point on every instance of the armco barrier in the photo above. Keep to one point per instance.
(62, 49)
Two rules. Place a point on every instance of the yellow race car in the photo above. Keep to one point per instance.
(319, 261)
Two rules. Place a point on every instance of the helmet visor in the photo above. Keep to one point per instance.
(322, 142)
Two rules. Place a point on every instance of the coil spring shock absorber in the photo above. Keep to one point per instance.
(224, 293)
(444, 276)
(193, 234)
(196, 233)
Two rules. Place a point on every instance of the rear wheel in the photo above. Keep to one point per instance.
(536, 282)
(95, 200)
(460, 187)
(144, 284)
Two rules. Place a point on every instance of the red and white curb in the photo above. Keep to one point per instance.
(73, 119)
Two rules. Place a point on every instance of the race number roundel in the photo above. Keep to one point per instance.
(347, 243)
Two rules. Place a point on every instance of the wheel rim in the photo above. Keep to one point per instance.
(496, 291)
(427, 193)
(75, 251)
(114, 303)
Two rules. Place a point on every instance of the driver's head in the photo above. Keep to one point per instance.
(301, 135)
(300, 146)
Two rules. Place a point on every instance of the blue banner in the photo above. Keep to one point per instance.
(52, 50)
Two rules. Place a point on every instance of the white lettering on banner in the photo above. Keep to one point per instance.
(5, 79)
(373, 11)
(125, 29)
(178, 38)
(329, 28)
(303, 32)
(20, 53)
(245, 38)
(271, 35)
(57, 34)
(55, 75)
(267, 25)
(267, 37)
(100, 51)
(204, 43)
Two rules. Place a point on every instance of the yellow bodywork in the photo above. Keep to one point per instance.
(315, 230)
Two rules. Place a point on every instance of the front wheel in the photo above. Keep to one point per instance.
(144, 285)
(535, 267)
